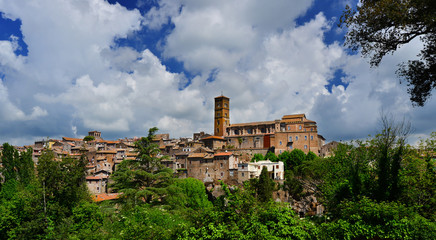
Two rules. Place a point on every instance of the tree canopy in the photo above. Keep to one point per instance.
(380, 27)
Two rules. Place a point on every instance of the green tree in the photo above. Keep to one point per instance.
(265, 186)
(89, 138)
(390, 149)
(380, 27)
(257, 157)
(293, 186)
(10, 158)
(62, 182)
(17, 166)
(188, 193)
(271, 156)
(145, 179)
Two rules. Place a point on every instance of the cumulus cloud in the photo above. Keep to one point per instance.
(76, 78)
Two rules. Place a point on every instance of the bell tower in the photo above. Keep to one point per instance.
(222, 115)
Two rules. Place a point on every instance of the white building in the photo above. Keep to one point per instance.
(250, 170)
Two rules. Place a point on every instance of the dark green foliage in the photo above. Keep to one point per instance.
(265, 186)
(10, 158)
(240, 216)
(293, 186)
(257, 157)
(18, 166)
(188, 193)
(311, 156)
(367, 219)
(271, 156)
(143, 180)
(377, 28)
(63, 183)
(89, 138)
(292, 159)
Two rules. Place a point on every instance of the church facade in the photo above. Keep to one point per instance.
(290, 132)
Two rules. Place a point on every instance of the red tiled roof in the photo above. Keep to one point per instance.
(105, 196)
(90, 178)
(223, 154)
(71, 139)
(196, 155)
(108, 151)
(213, 137)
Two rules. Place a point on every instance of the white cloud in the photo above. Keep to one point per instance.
(77, 79)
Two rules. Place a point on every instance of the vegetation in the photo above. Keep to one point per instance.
(380, 27)
(88, 138)
(51, 201)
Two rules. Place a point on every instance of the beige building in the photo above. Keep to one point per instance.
(210, 168)
(286, 134)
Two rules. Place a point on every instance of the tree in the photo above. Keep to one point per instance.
(17, 166)
(271, 156)
(390, 146)
(89, 138)
(265, 186)
(144, 179)
(257, 157)
(380, 27)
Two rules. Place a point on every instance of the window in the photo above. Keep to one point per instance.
(225, 105)
(290, 147)
(305, 146)
(289, 128)
(277, 166)
(258, 167)
(311, 137)
(305, 137)
(299, 127)
(222, 174)
(280, 142)
(242, 167)
(280, 151)
(290, 139)
(296, 138)
(225, 114)
(242, 174)
(218, 122)
(221, 165)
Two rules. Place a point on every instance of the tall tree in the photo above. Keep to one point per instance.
(144, 179)
(265, 186)
(380, 27)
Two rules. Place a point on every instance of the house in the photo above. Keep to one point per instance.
(250, 170)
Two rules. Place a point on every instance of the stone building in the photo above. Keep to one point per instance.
(286, 134)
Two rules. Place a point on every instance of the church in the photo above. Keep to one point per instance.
(290, 132)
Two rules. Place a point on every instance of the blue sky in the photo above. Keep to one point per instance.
(121, 67)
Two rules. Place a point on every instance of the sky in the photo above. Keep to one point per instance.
(121, 67)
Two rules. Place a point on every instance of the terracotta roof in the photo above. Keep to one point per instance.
(252, 124)
(213, 137)
(71, 139)
(105, 196)
(182, 153)
(223, 154)
(107, 151)
(196, 155)
(301, 115)
(90, 178)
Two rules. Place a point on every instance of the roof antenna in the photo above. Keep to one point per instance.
(222, 93)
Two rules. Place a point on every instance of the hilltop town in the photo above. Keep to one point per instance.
(224, 156)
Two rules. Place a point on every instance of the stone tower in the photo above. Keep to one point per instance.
(222, 115)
